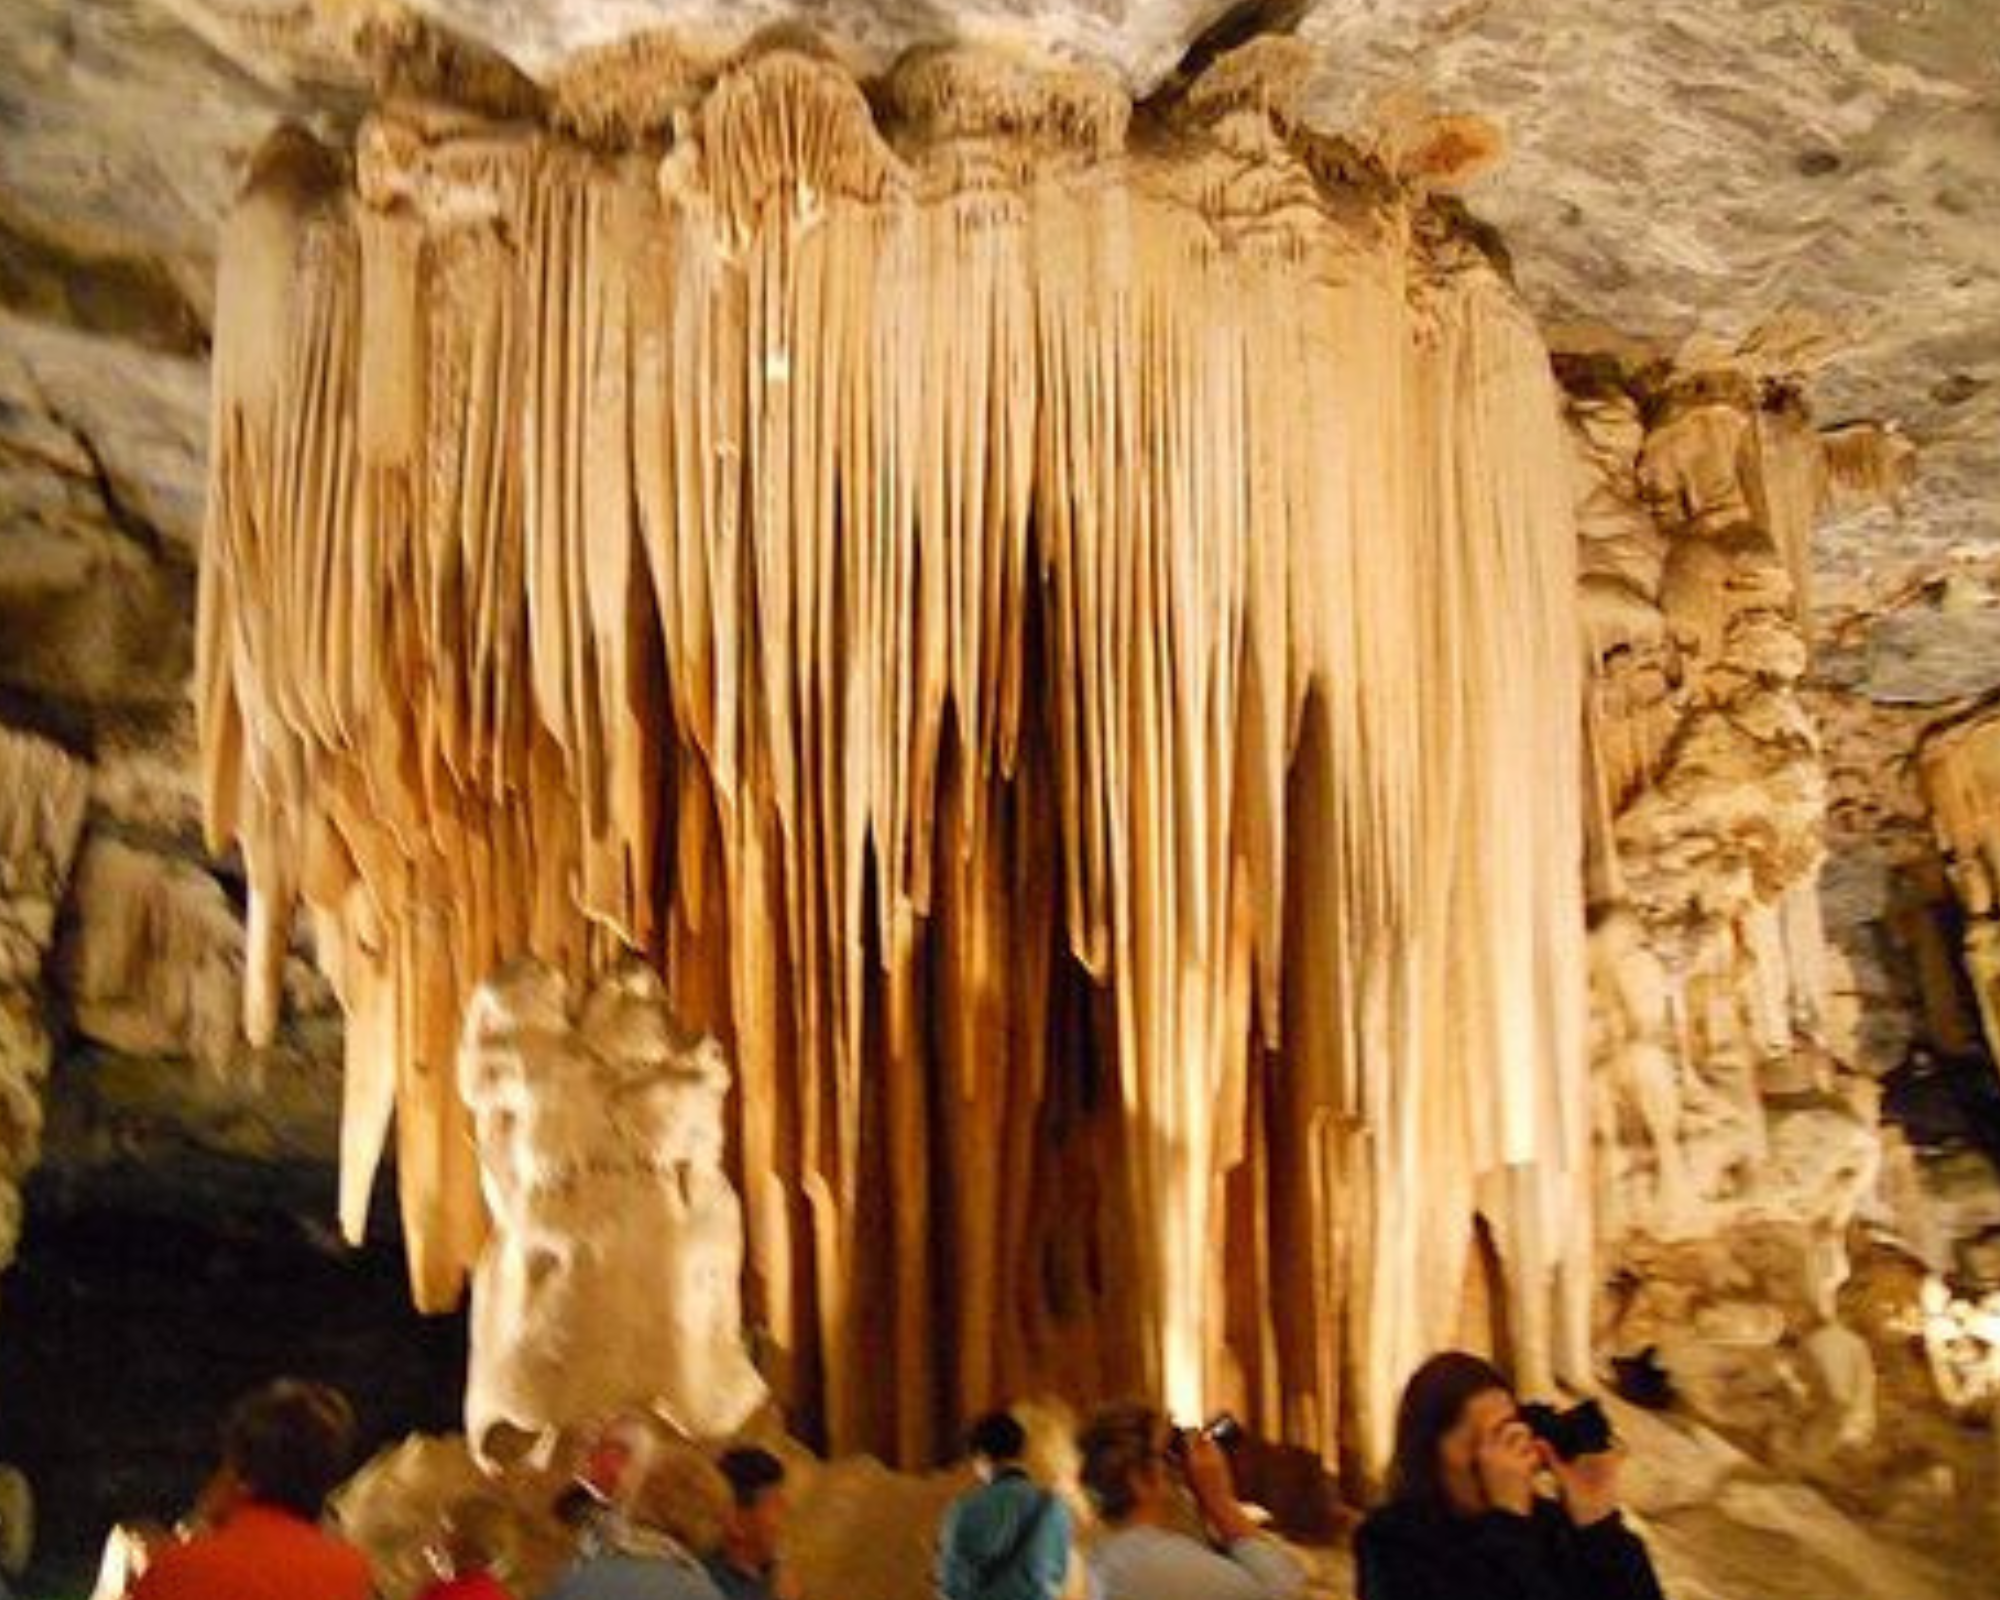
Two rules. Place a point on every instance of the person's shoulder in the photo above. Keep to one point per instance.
(338, 1549)
(479, 1586)
(725, 1580)
(1145, 1544)
(694, 1580)
(962, 1502)
(564, 1587)
(1399, 1532)
(1014, 1485)
(617, 1575)
(228, 1561)
(1394, 1522)
(339, 1563)
(182, 1567)
(349, 1561)
(1109, 1545)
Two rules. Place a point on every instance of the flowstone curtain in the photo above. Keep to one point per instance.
(1054, 627)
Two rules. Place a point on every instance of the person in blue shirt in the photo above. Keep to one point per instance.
(1008, 1538)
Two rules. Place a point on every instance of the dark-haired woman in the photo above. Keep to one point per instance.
(1464, 1520)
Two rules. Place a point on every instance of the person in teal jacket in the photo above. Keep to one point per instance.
(1007, 1539)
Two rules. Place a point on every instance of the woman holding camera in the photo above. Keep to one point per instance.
(1464, 1520)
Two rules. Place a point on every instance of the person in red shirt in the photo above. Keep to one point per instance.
(284, 1448)
(470, 1541)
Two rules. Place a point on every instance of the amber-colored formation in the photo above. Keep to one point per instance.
(1959, 761)
(44, 793)
(1736, 1142)
(1055, 629)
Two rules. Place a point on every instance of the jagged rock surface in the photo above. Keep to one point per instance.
(42, 798)
(1735, 1145)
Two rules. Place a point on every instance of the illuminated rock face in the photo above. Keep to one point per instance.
(1960, 766)
(611, 1281)
(1734, 1144)
(1962, 1345)
(1053, 641)
(42, 798)
(155, 961)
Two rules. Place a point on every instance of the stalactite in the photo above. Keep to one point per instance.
(1057, 637)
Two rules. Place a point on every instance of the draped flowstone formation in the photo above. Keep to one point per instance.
(1053, 626)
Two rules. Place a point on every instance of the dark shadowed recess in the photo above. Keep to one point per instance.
(131, 1319)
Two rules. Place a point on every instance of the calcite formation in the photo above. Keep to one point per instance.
(43, 795)
(611, 1281)
(1050, 628)
(1959, 764)
(1962, 1345)
(1735, 1147)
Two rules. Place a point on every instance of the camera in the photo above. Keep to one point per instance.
(1224, 1429)
(1582, 1430)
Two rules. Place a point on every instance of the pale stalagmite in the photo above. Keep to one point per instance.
(1053, 636)
(611, 1279)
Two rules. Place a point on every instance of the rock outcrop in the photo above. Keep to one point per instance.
(1734, 1148)
(43, 793)
(1740, 1138)
(1960, 764)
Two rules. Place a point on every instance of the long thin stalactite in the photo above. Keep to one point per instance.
(1054, 630)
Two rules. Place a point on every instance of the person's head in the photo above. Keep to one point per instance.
(683, 1496)
(472, 1536)
(1451, 1403)
(288, 1444)
(755, 1524)
(995, 1442)
(1123, 1464)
